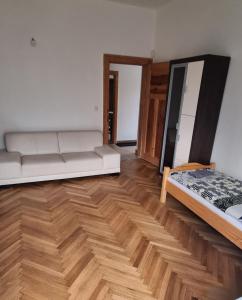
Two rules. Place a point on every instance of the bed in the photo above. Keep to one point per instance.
(213, 196)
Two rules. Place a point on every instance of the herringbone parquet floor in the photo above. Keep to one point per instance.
(109, 238)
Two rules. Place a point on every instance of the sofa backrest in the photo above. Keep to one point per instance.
(79, 141)
(31, 143)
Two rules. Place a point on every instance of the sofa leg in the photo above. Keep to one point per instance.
(115, 174)
(6, 186)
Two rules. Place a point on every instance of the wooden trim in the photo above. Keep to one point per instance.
(127, 60)
(144, 110)
(217, 222)
(193, 166)
(106, 66)
(115, 115)
(153, 160)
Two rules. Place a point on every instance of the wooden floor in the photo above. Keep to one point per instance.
(109, 238)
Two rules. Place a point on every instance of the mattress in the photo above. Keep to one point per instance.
(232, 220)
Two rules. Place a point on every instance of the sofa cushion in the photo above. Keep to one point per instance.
(111, 158)
(10, 165)
(79, 141)
(82, 161)
(32, 143)
(44, 164)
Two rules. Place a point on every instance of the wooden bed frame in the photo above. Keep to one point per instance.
(217, 222)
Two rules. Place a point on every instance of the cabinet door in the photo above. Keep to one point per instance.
(184, 140)
(192, 88)
(172, 114)
(188, 112)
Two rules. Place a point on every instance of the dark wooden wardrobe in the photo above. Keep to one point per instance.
(196, 88)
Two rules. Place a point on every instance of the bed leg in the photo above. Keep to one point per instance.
(164, 182)
(163, 196)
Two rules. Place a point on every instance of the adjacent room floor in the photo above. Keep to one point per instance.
(127, 152)
(109, 237)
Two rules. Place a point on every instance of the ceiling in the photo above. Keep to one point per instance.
(144, 3)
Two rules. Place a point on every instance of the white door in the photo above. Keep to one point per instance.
(188, 112)
(184, 140)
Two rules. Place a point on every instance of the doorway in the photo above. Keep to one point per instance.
(152, 104)
(113, 107)
(124, 104)
(110, 127)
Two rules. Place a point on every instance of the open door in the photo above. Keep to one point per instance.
(155, 112)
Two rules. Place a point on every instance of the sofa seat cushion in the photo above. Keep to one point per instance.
(44, 164)
(10, 165)
(82, 161)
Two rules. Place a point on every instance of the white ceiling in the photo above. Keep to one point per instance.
(144, 3)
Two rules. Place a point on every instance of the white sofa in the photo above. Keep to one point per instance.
(39, 156)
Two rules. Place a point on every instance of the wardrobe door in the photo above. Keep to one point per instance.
(209, 104)
(192, 88)
(188, 112)
(172, 114)
(184, 140)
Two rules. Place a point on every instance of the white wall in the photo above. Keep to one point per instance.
(58, 84)
(129, 89)
(193, 27)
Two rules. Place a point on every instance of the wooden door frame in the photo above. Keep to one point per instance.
(145, 63)
(115, 105)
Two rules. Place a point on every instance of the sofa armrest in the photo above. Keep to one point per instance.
(111, 158)
(10, 165)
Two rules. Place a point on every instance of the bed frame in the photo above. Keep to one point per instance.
(217, 222)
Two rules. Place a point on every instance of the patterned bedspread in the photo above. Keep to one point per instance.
(222, 191)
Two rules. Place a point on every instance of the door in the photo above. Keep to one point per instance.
(188, 112)
(176, 87)
(156, 106)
